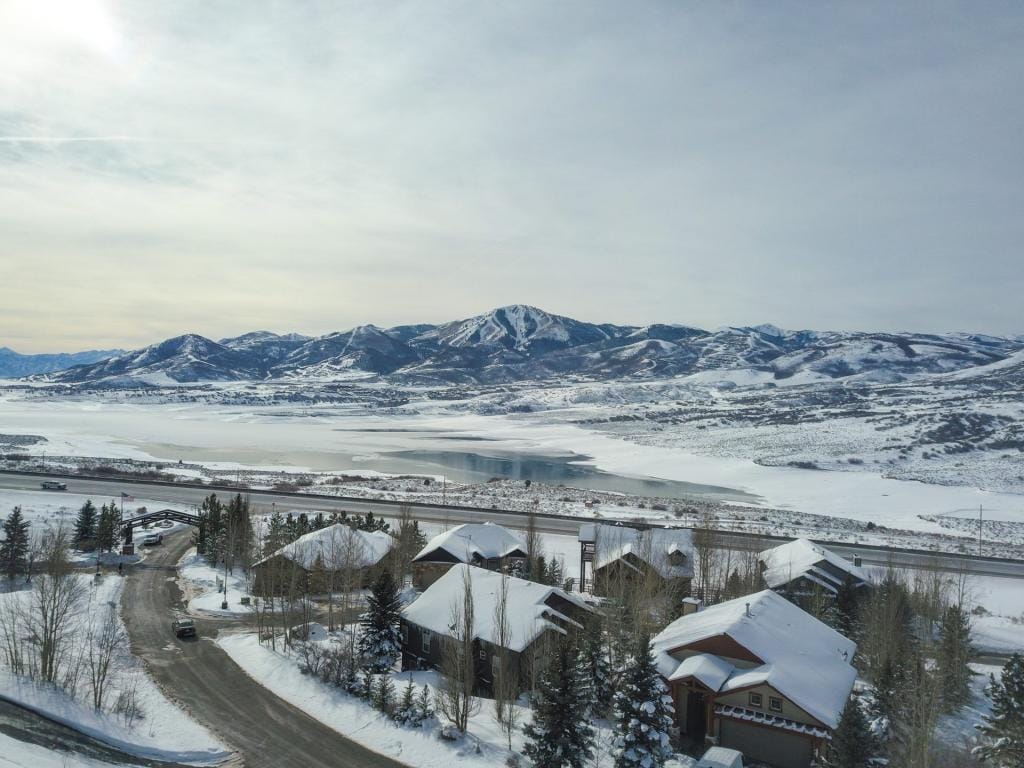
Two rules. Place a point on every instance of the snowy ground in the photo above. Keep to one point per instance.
(19, 754)
(483, 747)
(47, 510)
(204, 585)
(164, 732)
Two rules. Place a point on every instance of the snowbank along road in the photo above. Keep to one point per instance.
(264, 730)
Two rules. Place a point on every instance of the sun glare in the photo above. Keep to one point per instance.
(84, 23)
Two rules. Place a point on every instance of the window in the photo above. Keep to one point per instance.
(426, 641)
(774, 704)
(494, 667)
(755, 700)
(405, 634)
(483, 655)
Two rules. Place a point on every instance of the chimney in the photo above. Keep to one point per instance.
(690, 605)
(856, 560)
(748, 609)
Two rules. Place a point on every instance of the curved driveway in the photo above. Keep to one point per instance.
(265, 731)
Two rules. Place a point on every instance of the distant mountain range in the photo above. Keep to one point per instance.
(521, 343)
(14, 365)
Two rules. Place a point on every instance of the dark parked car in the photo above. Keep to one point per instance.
(183, 628)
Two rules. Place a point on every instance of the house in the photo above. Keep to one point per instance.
(619, 555)
(484, 545)
(537, 615)
(759, 675)
(800, 568)
(332, 555)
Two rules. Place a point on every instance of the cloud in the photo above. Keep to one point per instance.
(310, 166)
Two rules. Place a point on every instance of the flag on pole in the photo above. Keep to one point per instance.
(126, 497)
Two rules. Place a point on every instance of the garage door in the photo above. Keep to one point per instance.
(766, 745)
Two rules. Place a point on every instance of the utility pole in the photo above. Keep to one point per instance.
(444, 490)
(979, 528)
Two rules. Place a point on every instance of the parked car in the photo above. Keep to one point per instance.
(165, 524)
(721, 757)
(183, 628)
(53, 485)
(152, 539)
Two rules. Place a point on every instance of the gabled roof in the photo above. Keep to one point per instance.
(803, 557)
(803, 659)
(486, 541)
(653, 546)
(526, 607)
(338, 545)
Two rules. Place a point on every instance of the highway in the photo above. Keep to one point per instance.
(264, 501)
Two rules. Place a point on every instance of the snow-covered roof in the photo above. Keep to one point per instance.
(709, 669)
(483, 540)
(654, 546)
(339, 545)
(721, 757)
(528, 612)
(802, 658)
(803, 557)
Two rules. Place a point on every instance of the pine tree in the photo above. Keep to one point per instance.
(560, 734)
(953, 656)
(598, 671)
(852, 745)
(1003, 730)
(380, 644)
(14, 547)
(424, 706)
(406, 712)
(106, 528)
(85, 525)
(383, 698)
(644, 714)
(277, 535)
(846, 608)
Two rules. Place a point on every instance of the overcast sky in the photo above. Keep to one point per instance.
(224, 167)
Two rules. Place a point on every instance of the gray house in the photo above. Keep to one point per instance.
(484, 545)
(537, 615)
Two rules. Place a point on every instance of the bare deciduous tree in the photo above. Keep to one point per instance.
(455, 697)
(57, 594)
(505, 681)
(105, 638)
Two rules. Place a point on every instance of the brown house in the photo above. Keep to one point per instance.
(619, 555)
(759, 675)
(538, 615)
(801, 568)
(308, 562)
(483, 545)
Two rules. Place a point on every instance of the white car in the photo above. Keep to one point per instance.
(152, 539)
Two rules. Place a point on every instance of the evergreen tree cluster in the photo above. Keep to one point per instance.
(224, 533)
(852, 745)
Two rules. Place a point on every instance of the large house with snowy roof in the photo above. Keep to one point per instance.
(759, 675)
(800, 568)
(619, 555)
(484, 545)
(537, 616)
(314, 557)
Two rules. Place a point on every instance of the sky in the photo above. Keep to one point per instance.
(299, 166)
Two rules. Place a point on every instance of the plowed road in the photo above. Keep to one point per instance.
(265, 731)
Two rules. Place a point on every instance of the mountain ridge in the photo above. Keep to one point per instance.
(520, 342)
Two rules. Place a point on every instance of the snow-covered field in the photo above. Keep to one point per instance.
(163, 732)
(203, 586)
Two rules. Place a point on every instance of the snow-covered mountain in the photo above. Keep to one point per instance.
(14, 365)
(522, 343)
